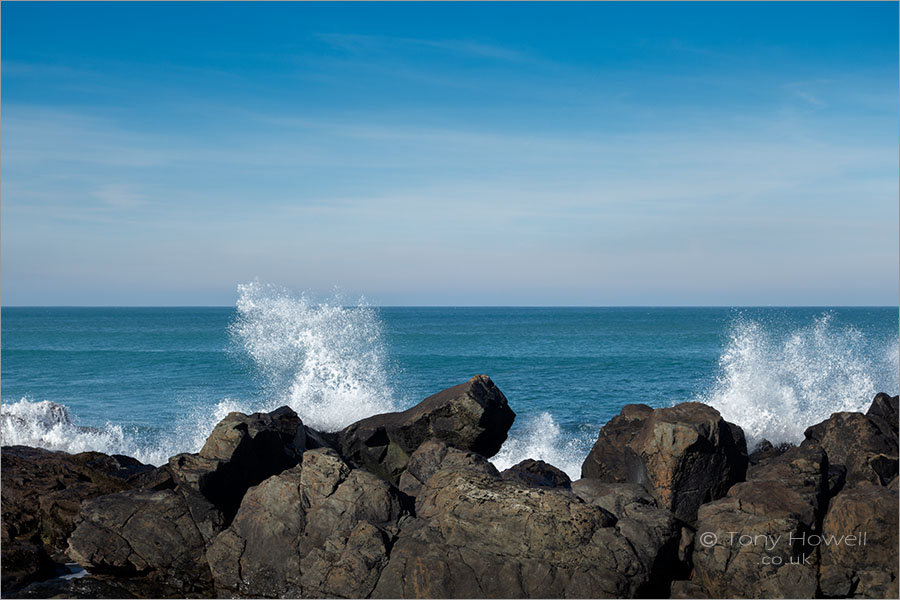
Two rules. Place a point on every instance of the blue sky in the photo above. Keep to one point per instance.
(451, 154)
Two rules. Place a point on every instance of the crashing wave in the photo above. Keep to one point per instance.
(775, 386)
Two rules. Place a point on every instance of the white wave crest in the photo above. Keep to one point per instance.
(775, 387)
(46, 424)
(324, 360)
(542, 439)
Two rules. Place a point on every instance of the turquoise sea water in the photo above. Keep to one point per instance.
(153, 381)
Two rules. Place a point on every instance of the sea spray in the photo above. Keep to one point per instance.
(324, 360)
(541, 438)
(49, 425)
(775, 386)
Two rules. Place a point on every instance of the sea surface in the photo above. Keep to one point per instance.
(152, 382)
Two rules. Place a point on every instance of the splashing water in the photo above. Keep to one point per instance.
(775, 387)
(324, 360)
(49, 425)
(542, 439)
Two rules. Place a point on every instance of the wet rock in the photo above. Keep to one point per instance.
(320, 529)
(750, 543)
(434, 455)
(865, 444)
(472, 416)
(142, 532)
(537, 473)
(42, 493)
(611, 454)
(858, 544)
(479, 536)
(686, 455)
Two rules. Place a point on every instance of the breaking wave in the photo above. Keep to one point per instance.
(775, 386)
(49, 425)
(543, 439)
(324, 360)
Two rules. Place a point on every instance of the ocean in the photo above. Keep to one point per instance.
(152, 382)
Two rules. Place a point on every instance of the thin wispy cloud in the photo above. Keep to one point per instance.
(623, 157)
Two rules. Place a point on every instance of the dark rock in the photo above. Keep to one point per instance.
(142, 532)
(886, 408)
(537, 473)
(782, 499)
(472, 416)
(608, 460)
(686, 455)
(42, 493)
(690, 456)
(242, 451)
(434, 455)
(659, 538)
(765, 450)
(161, 530)
(859, 544)
(479, 536)
(317, 530)
(687, 589)
(82, 587)
(866, 445)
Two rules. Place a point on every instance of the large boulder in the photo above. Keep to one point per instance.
(858, 544)
(611, 455)
(865, 444)
(42, 493)
(242, 451)
(142, 532)
(478, 536)
(473, 416)
(751, 543)
(320, 529)
(686, 454)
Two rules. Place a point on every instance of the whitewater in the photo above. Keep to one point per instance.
(335, 363)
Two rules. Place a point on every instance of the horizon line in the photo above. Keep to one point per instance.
(475, 306)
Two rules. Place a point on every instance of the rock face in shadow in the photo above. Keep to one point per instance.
(750, 543)
(142, 532)
(686, 455)
(42, 494)
(865, 444)
(859, 544)
(161, 531)
(320, 529)
(473, 416)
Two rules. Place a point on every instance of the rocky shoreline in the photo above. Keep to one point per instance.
(407, 504)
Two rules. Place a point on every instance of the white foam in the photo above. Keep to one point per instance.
(542, 439)
(775, 386)
(324, 360)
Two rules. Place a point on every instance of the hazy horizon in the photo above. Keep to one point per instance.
(708, 154)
